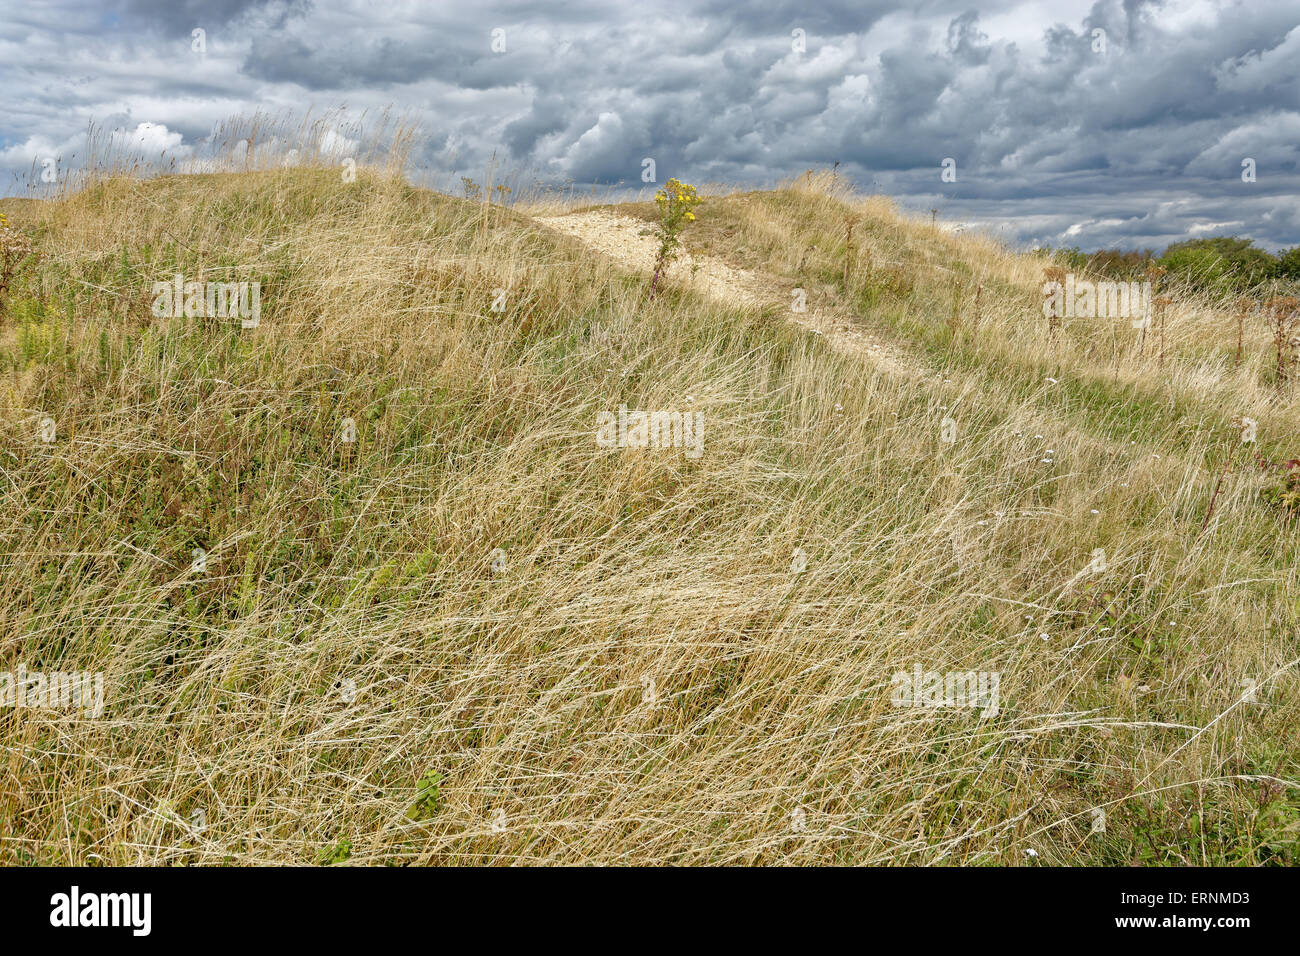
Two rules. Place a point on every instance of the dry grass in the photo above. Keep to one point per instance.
(648, 679)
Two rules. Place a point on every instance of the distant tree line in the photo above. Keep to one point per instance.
(1220, 264)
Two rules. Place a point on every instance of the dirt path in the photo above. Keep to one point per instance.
(629, 242)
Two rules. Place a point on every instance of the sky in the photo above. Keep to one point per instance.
(1120, 123)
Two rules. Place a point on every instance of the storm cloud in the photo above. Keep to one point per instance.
(1121, 122)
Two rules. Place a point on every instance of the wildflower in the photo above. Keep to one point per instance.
(676, 201)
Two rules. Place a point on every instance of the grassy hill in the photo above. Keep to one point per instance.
(364, 586)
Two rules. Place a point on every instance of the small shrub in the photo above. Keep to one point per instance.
(677, 201)
(1221, 263)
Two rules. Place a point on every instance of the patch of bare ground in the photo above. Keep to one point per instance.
(630, 242)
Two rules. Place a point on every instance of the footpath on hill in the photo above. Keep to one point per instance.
(629, 242)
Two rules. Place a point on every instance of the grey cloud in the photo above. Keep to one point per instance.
(179, 17)
(1054, 141)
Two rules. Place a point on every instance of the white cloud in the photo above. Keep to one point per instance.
(149, 140)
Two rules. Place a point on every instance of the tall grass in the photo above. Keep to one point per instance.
(647, 676)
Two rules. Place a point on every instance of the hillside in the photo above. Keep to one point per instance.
(366, 585)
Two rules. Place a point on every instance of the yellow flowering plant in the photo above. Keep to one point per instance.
(677, 201)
